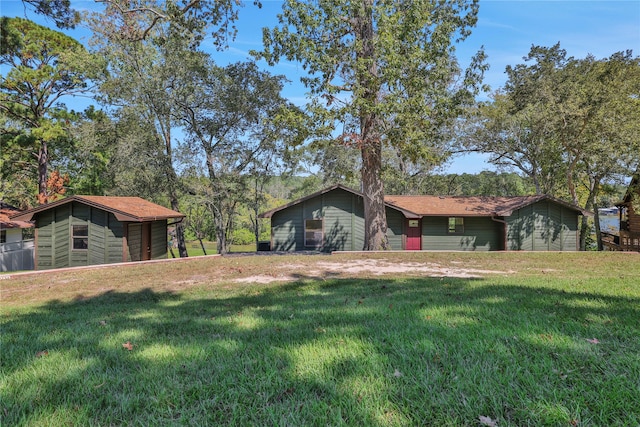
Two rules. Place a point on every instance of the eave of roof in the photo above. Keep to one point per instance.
(414, 207)
(269, 214)
(471, 206)
(6, 211)
(125, 209)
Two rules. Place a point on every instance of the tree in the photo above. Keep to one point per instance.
(232, 119)
(518, 139)
(380, 72)
(145, 43)
(605, 142)
(140, 84)
(59, 11)
(570, 124)
(90, 160)
(45, 66)
(136, 21)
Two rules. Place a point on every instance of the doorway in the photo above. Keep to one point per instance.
(414, 235)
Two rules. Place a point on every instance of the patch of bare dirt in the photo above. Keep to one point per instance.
(375, 267)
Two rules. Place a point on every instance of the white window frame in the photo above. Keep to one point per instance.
(76, 236)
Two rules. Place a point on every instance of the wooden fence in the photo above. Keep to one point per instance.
(625, 241)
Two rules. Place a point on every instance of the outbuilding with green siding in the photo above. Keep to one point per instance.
(90, 230)
(333, 220)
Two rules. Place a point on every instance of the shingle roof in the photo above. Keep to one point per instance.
(463, 206)
(6, 211)
(133, 209)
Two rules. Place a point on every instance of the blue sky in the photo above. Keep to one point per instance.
(506, 29)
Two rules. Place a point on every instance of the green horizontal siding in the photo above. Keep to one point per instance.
(395, 224)
(62, 238)
(106, 237)
(114, 232)
(45, 223)
(544, 226)
(570, 234)
(287, 229)
(98, 237)
(480, 234)
(342, 213)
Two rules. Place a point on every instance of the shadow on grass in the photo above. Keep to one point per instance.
(336, 352)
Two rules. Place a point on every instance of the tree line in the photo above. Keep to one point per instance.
(388, 104)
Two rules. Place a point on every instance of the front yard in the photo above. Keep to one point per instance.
(506, 339)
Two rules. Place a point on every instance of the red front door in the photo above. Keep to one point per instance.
(413, 235)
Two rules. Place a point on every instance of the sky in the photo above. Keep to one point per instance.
(506, 28)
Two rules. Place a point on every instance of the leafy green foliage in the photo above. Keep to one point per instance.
(44, 66)
(60, 11)
(231, 119)
(569, 124)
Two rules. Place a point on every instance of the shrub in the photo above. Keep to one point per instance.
(243, 236)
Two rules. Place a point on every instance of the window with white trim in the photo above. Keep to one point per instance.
(313, 233)
(79, 237)
(456, 225)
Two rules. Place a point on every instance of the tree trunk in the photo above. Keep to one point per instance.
(589, 205)
(204, 251)
(43, 160)
(223, 241)
(182, 245)
(375, 218)
(172, 178)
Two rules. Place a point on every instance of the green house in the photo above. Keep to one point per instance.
(333, 220)
(90, 230)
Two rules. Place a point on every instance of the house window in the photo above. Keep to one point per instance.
(3, 236)
(79, 237)
(456, 225)
(313, 233)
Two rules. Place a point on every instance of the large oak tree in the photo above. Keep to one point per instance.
(380, 72)
(569, 124)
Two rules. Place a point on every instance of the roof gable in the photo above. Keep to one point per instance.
(269, 214)
(133, 209)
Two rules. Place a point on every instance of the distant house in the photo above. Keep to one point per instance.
(333, 220)
(90, 230)
(629, 235)
(16, 251)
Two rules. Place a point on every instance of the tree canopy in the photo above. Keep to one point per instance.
(569, 124)
(44, 67)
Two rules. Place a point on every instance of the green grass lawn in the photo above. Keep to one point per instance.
(554, 340)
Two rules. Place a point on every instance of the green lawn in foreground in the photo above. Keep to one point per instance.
(538, 347)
